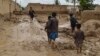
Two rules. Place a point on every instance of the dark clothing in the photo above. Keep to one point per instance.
(52, 28)
(31, 14)
(73, 22)
(79, 37)
(53, 25)
(73, 28)
(48, 29)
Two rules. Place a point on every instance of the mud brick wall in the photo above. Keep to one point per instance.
(90, 14)
(4, 6)
(44, 8)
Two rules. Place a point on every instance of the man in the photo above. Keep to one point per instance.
(31, 13)
(73, 22)
(79, 38)
(53, 26)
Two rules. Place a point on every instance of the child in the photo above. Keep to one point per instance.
(79, 38)
(47, 28)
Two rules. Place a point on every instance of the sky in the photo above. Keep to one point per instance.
(24, 3)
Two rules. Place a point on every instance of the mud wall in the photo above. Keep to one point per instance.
(43, 18)
(42, 8)
(4, 6)
(90, 14)
(97, 8)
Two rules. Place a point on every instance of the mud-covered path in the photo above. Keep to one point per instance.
(30, 39)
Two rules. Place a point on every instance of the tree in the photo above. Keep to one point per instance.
(86, 4)
(56, 2)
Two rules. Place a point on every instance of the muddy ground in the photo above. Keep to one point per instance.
(19, 37)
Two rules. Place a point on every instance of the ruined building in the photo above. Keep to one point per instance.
(46, 8)
(5, 6)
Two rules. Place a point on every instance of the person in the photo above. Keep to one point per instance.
(79, 38)
(73, 22)
(31, 13)
(47, 28)
(53, 26)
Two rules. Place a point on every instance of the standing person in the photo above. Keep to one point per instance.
(31, 13)
(79, 38)
(47, 28)
(54, 29)
(73, 22)
(53, 26)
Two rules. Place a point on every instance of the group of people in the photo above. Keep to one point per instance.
(52, 30)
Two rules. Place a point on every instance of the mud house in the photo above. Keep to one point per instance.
(46, 8)
(5, 6)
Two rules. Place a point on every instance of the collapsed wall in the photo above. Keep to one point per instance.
(42, 18)
(44, 8)
(5, 6)
(90, 14)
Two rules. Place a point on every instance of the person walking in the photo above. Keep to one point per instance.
(73, 22)
(31, 13)
(47, 29)
(53, 26)
(79, 38)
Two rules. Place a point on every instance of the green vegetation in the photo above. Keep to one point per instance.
(86, 4)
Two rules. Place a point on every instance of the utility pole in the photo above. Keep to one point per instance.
(10, 8)
(74, 3)
(15, 5)
(74, 6)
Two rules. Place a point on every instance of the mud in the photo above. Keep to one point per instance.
(30, 39)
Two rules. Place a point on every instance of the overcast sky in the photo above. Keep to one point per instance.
(25, 2)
